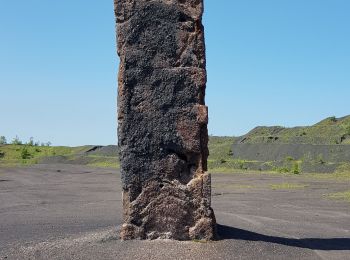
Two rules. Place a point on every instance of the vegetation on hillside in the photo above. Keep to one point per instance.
(14, 154)
(220, 155)
(220, 150)
(329, 131)
(33, 152)
(25, 154)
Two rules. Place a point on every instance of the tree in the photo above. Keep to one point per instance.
(333, 119)
(16, 141)
(31, 141)
(3, 140)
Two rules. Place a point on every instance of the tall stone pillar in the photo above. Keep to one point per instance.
(163, 120)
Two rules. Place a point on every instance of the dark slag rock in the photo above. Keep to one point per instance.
(163, 120)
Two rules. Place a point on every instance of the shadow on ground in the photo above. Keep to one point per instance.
(226, 232)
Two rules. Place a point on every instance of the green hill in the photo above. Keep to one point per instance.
(323, 147)
(329, 131)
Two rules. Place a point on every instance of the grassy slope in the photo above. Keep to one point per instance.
(220, 157)
(13, 156)
(328, 131)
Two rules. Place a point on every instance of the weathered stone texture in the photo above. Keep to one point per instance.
(163, 120)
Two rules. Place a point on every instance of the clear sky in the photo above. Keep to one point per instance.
(271, 62)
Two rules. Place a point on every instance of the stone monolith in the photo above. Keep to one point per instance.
(162, 133)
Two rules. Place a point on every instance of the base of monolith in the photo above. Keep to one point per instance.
(171, 210)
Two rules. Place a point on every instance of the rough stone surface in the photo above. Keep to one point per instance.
(163, 120)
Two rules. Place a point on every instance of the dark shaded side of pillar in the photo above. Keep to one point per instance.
(163, 120)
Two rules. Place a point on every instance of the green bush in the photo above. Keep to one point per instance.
(282, 169)
(223, 161)
(320, 159)
(296, 169)
(25, 153)
(289, 158)
(2, 154)
(348, 130)
(241, 164)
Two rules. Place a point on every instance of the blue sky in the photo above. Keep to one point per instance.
(269, 62)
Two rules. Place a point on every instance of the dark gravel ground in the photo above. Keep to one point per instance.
(73, 212)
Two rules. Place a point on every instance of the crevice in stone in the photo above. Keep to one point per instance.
(178, 154)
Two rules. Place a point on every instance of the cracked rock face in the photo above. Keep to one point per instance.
(163, 120)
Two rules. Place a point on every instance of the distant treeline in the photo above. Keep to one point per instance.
(17, 141)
